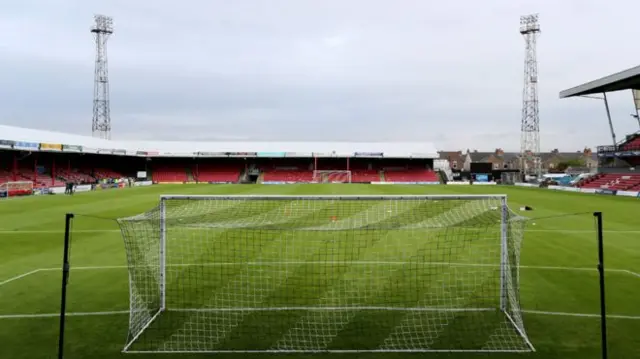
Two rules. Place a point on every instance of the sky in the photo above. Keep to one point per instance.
(445, 72)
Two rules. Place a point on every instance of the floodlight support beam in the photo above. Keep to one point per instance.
(606, 106)
(636, 105)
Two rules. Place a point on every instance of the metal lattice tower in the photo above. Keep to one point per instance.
(530, 126)
(101, 123)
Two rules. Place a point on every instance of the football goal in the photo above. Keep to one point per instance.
(343, 274)
(331, 176)
(17, 188)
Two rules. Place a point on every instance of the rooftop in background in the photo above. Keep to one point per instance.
(623, 80)
(339, 149)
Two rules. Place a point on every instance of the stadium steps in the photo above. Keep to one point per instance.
(244, 176)
(190, 177)
(442, 176)
(260, 178)
(382, 176)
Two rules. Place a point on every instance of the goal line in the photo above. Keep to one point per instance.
(126, 311)
(558, 268)
(344, 308)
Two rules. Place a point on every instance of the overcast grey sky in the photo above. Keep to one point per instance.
(448, 72)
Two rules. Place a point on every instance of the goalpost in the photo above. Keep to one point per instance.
(289, 274)
(331, 176)
(16, 188)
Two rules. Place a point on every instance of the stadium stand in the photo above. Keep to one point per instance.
(614, 181)
(411, 176)
(288, 176)
(365, 176)
(75, 176)
(103, 173)
(6, 176)
(633, 144)
(210, 172)
(169, 173)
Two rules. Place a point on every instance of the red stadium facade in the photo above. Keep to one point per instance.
(46, 160)
(47, 169)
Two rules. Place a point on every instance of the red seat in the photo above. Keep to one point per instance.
(288, 176)
(102, 173)
(634, 144)
(213, 173)
(361, 176)
(169, 174)
(614, 181)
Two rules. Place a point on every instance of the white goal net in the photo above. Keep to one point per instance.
(331, 177)
(243, 274)
(17, 188)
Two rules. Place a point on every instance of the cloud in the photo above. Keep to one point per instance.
(445, 72)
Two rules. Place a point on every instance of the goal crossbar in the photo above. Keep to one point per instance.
(262, 197)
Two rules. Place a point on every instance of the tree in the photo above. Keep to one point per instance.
(576, 162)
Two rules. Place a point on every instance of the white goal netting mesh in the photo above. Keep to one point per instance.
(318, 274)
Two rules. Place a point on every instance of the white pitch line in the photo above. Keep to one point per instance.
(19, 276)
(55, 315)
(630, 272)
(27, 231)
(121, 312)
(343, 308)
(453, 264)
(583, 315)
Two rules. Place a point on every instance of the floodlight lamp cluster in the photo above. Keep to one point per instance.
(103, 24)
(529, 23)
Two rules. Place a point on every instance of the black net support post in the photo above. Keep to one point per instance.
(603, 310)
(65, 280)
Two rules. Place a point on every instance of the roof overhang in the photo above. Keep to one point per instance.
(624, 80)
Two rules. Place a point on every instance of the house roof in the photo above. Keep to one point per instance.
(510, 156)
(445, 155)
(484, 156)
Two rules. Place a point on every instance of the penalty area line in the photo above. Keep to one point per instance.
(281, 263)
(19, 276)
(630, 272)
(122, 312)
(582, 315)
(68, 314)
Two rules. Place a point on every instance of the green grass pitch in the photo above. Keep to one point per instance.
(558, 275)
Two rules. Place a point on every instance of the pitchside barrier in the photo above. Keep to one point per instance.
(407, 183)
(462, 183)
(601, 191)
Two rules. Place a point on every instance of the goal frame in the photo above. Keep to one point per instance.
(6, 188)
(319, 173)
(504, 264)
